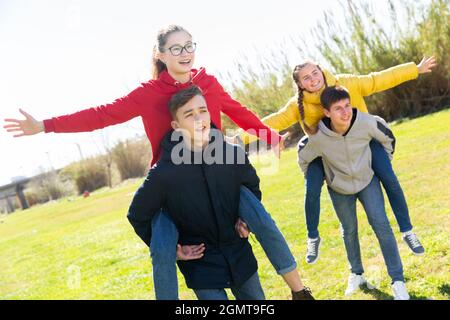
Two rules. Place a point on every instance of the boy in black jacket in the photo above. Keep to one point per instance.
(198, 181)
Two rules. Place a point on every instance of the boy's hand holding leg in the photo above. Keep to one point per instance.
(190, 252)
(241, 228)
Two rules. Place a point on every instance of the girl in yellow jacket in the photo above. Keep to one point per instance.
(305, 108)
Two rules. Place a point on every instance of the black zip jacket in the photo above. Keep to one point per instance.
(201, 195)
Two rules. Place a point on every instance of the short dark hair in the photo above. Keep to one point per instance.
(182, 97)
(332, 95)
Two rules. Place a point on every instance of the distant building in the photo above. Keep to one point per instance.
(13, 192)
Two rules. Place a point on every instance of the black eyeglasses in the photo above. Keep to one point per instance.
(176, 49)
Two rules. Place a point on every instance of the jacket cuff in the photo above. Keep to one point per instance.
(49, 126)
(274, 138)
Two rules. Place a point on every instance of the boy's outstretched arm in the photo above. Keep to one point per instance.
(147, 201)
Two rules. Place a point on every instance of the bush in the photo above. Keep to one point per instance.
(47, 186)
(363, 45)
(359, 45)
(132, 158)
(88, 175)
(264, 87)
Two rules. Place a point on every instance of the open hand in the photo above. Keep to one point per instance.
(26, 127)
(427, 64)
(190, 252)
(281, 145)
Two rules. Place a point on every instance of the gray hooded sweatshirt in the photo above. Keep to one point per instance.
(347, 159)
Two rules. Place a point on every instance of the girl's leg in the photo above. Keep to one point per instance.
(164, 255)
(269, 236)
(314, 181)
(250, 290)
(382, 167)
(313, 185)
(373, 202)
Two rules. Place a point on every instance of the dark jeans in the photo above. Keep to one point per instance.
(382, 167)
(250, 290)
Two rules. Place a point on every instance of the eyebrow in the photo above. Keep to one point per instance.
(190, 110)
(315, 70)
(177, 44)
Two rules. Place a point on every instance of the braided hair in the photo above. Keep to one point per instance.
(301, 107)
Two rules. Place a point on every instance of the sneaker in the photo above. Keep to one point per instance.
(312, 253)
(355, 281)
(304, 294)
(413, 243)
(399, 290)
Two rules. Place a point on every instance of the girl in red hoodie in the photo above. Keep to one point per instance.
(173, 60)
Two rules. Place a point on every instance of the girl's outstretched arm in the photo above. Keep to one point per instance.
(28, 126)
(119, 111)
(375, 82)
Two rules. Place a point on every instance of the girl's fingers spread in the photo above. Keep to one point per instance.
(12, 120)
(11, 126)
(24, 113)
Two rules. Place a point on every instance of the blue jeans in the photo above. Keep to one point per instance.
(371, 197)
(165, 239)
(250, 290)
(382, 167)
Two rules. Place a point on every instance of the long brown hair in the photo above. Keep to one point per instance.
(161, 40)
(301, 107)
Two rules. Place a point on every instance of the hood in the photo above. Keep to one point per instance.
(314, 98)
(167, 83)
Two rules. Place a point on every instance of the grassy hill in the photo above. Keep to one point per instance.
(84, 248)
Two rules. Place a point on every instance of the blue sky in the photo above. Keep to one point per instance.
(58, 57)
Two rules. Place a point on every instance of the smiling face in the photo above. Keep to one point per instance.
(194, 120)
(180, 65)
(340, 113)
(310, 78)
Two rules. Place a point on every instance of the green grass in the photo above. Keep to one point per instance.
(84, 248)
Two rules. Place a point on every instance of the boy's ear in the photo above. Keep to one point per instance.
(174, 125)
(326, 112)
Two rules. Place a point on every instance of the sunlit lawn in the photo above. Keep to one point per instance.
(84, 248)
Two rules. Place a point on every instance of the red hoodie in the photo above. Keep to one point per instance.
(150, 101)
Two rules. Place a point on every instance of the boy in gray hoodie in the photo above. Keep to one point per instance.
(342, 141)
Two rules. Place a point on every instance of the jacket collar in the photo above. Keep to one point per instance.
(325, 125)
(195, 76)
(173, 139)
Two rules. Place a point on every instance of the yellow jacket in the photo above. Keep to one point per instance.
(358, 87)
